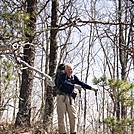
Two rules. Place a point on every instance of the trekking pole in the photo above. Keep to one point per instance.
(80, 99)
(96, 100)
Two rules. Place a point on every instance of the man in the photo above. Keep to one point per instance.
(69, 86)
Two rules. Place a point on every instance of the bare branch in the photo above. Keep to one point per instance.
(103, 22)
(35, 69)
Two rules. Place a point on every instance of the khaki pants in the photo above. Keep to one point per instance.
(64, 105)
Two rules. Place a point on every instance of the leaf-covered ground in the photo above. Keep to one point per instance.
(35, 129)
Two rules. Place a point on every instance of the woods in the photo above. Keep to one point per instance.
(95, 36)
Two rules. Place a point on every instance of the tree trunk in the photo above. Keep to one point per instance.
(49, 100)
(24, 113)
(123, 54)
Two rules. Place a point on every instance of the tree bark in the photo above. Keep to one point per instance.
(24, 113)
(123, 55)
(49, 100)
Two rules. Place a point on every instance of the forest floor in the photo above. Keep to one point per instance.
(10, 129)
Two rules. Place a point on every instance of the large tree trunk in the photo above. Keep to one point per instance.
(49, 100)
(24, 113)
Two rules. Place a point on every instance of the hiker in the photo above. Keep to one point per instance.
(70, 85)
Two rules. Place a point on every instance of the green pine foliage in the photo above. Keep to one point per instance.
(124, 89)
(7, 75)
(118, 126)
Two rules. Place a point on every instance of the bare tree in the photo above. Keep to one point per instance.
(24, 113)
(91, 35)
(49, 99)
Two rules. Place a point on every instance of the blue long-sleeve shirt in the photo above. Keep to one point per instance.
(67, 84)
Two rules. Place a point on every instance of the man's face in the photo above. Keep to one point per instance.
(69, 70)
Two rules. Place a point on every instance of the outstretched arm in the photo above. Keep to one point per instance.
(83, 84)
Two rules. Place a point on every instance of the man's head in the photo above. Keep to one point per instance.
(69, 69)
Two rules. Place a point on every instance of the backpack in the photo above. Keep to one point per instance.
(60, 70)
(56, 89)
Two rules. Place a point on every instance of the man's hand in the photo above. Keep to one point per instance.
(76, 90)
(77, 87)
